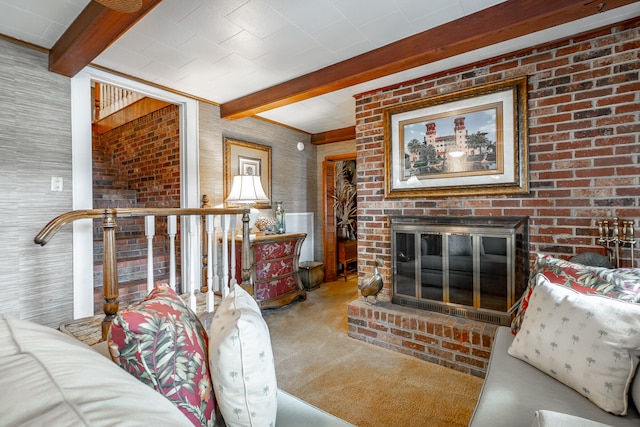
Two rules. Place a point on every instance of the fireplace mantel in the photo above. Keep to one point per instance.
(473, 267)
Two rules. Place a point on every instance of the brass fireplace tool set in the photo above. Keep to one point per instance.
(615, 235)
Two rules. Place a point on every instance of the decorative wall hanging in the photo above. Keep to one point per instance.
(467, 143)
(246, 158)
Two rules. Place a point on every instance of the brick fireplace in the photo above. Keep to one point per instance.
(453, 342)
(583, 166)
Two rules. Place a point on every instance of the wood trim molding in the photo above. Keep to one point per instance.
(91, 33)
(505, 21)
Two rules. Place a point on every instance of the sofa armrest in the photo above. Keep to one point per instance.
(558, 419)
(295, 412)
(513, 391)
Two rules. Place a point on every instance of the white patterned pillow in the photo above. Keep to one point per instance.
(241, 362)
(588, 342)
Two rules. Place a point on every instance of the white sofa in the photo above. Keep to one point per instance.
(574, 359)
(48, 378)
(513, 391)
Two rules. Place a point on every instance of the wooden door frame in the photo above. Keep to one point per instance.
(329, 232)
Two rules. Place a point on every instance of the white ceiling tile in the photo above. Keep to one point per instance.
(122, 60)
(470, 7)
(360, 12)
(316, 57)
(245, 44)
(386, 30)
(280, 61)
(289, 40)
(174, 57)
(417, 9)
(24, 20)
(338, 36)
(176, 9)
(61, 12)
(349, 51)
(257, 17)
(54, 31)
(448, 13)
(309, 16)
(224, 7)
(164, 30)
(134, 41)
(214, 27)
(205, 49)
(163, 72)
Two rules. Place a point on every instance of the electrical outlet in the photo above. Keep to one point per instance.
(56, 183)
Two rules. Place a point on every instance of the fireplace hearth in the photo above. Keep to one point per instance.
(469, 267)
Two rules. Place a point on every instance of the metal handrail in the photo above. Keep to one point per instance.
(110, 276)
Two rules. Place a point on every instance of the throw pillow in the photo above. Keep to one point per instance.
(587, 342)
(241, 361)
(161, 342)
(622, 283)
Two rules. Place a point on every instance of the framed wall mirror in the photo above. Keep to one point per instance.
(247, 158)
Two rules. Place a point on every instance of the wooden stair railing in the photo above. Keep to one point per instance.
(205, 216)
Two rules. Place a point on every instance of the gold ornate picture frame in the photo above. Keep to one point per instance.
(467, 143)
(247, 158)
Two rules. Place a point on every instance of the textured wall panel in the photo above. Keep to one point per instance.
(35, 144)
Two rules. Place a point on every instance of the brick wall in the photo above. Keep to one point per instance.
(584, 144)
(137, 165)
(147, 153)
(584, 152)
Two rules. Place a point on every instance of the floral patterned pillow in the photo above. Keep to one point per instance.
(162, 343)
(621, 284)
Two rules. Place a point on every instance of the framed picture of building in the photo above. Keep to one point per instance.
(472, 142)
(247, 158)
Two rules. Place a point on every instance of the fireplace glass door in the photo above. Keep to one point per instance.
(459, 269)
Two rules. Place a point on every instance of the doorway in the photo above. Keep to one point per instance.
(136, 164)
(333, 169)
(81, 114)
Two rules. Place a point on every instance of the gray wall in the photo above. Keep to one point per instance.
(293, 173)
(35, 144)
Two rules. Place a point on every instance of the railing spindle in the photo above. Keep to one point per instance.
(232, 279)
(216, 277)
(225, 256)
(172, 230)
(109, 271)
(192, 223)
(150, 232)
(209, 229)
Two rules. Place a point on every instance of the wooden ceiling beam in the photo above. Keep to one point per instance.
(335, 135)
(90, 34)
(504, 21)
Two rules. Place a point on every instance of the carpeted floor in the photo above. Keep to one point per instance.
(359, 382)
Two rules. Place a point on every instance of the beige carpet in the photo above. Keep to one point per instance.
(359, 382)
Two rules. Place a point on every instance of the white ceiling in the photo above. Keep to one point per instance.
(220, 50)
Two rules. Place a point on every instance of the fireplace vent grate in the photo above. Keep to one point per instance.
(467, 313)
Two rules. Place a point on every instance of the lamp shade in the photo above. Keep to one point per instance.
(246, 190)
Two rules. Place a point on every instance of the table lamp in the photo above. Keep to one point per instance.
(246, 190)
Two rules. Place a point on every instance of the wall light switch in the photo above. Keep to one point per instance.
(56, 183)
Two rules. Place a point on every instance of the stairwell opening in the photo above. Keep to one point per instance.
(135, 163)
